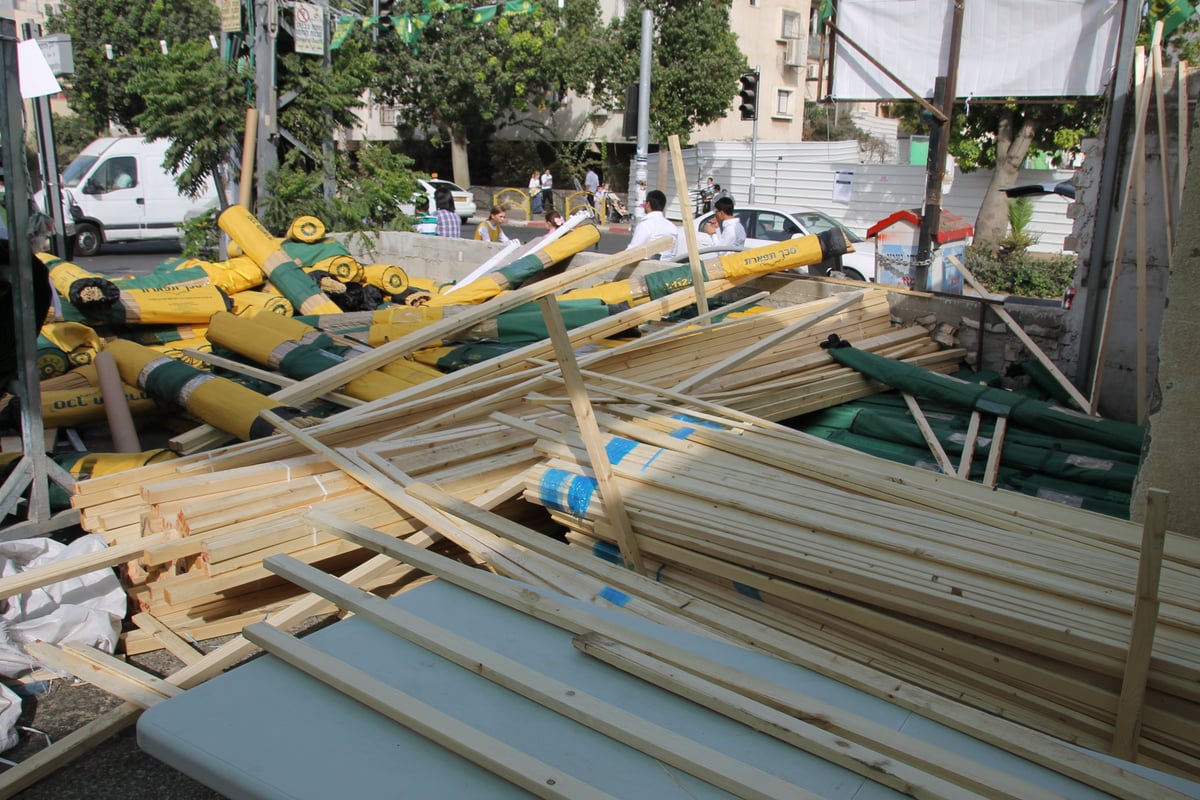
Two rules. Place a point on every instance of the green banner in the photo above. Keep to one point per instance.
(1173, 13)
(484, 14)
(340, 31)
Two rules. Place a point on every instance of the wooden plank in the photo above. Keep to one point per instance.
(494, 755)
(968, 451)
(708, 764)
(1160, 97)
(935, 446)
(689, 229)
(1140, 244)
(102, 670)
(610, 494)
(73, 567)
(70, 747)
(871, 750)
(1181, 94)
(1143, 91)
(173, 642)
(1030, 345)
(766, 343)
(992, 471)
(1142, 627)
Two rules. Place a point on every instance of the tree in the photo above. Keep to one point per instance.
(459, 75)
(697, 63)
(999, 136)
(197, 100)
(101, 90)
(324, 99)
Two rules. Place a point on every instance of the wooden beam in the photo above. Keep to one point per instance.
(102, 670)
(175, 644)
(1030, 345)
(935, 446)
(968, 451)
(689, 229)
(75, 566)
(610, 493)
(992, 470)
(494, 755)
(1142, 627)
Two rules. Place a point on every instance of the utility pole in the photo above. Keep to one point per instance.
(47, 157)
(945, 88)
(265, 25)
(643, 129)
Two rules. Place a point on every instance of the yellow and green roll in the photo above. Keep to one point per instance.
(218, 401)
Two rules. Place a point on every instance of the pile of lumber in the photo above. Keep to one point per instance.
(207, 521)
(1023, 611)
(808, 550)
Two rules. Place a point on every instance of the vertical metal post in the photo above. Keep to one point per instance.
(265, 25)
(48, 160)
(33, 467)
(643, 131)
(939, 146)
(754, 135)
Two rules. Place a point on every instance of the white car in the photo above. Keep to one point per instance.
(766, 225)
(464, 201)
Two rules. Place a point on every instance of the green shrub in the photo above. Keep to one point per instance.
(201, 236)
(1019, 272)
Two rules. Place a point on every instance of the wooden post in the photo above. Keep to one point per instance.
(1139, 245)
(931, 439)
(1141, 633)
(689, 229)
(968, 451)
(992, 471)
(610, 492)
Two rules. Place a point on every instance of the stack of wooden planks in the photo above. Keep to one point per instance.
(1026, 610)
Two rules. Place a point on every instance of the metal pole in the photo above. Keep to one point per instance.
(33, 468)
(754, 135)
(44, 128)
(939, 146)
(265, 25)
(643, 131)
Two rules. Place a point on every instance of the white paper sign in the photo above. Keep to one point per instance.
(310, 29)
(37, 79)
(843, 186)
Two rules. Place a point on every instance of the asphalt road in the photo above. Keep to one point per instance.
(140, 258)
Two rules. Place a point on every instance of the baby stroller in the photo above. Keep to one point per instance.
(614, 210)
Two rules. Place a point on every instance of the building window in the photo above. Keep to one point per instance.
(783, 103)
(793, 26)
(387, 115)
(755, 3)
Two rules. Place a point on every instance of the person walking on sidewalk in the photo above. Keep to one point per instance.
(591, 182)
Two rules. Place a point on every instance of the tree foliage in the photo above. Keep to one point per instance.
(697, 63)
(196, 99)
(999, 136)
(466, 80)
(101, 90)
(325, 99)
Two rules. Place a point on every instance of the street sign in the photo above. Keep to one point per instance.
(310, 29)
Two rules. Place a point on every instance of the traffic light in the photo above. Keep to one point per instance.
(749, 95)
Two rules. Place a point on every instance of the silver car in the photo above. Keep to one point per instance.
(765, 225)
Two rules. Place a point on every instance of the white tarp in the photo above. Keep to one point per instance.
(1009, 48)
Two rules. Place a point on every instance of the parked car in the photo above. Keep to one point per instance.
(766, 225)
(464, 201)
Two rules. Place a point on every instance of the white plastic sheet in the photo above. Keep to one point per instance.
(86, 610)
(1010, 48)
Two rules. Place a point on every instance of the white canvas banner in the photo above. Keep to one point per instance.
(1009, 48)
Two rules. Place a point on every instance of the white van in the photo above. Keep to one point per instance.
(122, 193)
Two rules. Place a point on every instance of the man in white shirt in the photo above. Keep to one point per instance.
(725, 229)
(655, 225)
(591, 182)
